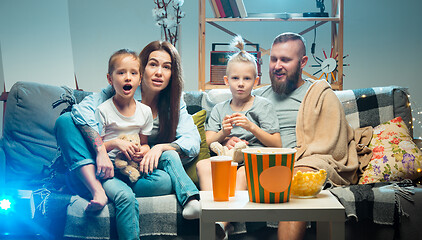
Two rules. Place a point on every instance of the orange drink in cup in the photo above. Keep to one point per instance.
(233, 174)
(220, 169)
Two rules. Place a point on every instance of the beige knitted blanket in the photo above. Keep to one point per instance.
(325, 140)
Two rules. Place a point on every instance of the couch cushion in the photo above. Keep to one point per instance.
(402, 107)
(214, 96)
(2, 165)
(395, 156)
(199, 120)
(193, 100)
(28, 139)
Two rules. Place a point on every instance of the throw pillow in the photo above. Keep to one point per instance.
(199, 120)
(395, 155)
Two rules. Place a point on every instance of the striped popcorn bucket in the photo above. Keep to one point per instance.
(269, 173)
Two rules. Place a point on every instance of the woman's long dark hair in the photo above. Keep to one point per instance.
(169, 98)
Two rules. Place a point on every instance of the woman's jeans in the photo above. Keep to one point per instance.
(182, 184)
(77, 152)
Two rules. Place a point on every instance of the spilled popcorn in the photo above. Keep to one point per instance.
(308, 184)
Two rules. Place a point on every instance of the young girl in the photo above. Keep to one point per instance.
(247, 118)
(123, 115)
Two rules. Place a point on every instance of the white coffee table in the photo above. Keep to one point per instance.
(326, 210)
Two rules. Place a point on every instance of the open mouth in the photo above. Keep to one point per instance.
(127, 87)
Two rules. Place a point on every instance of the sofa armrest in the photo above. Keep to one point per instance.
(28, 141)
(2, 165)
(418, 142)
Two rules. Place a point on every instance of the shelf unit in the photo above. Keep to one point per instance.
(336, 20)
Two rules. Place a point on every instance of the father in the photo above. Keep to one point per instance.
(311, 118)
(310, 115)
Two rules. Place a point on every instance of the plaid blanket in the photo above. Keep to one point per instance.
(373, 106)
(378, 202)
(159, 216)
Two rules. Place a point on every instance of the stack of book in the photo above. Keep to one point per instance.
(228, 8)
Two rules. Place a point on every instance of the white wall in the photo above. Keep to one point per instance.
(382, 38)
(35, 40)
(98, 28)
(1, 90)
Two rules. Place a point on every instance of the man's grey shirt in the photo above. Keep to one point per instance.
(287, 108)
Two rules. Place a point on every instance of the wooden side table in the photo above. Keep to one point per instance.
(326, 210)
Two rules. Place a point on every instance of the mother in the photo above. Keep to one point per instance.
(173, 132)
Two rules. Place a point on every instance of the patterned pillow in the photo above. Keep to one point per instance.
(395, 155)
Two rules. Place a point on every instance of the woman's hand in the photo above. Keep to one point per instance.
(151, 158)
(105, 168)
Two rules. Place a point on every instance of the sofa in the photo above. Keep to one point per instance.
(28, 160)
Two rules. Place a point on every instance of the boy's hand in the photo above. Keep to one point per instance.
(227, 125)
(232, 141)
(241, 120)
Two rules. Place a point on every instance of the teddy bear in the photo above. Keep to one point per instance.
(128, 167)
(235, 152)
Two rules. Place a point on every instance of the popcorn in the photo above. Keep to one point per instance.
(308, 184)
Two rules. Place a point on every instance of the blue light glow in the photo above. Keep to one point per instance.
(5, 204)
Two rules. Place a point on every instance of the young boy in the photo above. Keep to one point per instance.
(252, 119)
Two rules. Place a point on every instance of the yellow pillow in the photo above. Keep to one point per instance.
(199, 120)
(395, 155)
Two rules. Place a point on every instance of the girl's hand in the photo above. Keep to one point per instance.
(227, 125)
(138, 156)
(241, 120)
(127, 148)
(150, 159)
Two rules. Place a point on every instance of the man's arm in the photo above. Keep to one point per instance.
(326, 124)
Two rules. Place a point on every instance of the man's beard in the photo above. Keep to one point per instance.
(287, 86)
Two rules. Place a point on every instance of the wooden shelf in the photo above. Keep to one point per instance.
(293, 19)
(209, 86)
(3, 96)
(336, 20)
